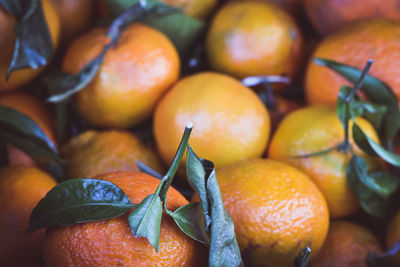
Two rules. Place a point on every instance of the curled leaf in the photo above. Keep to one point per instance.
(224, 249)
(24, 133)
(145, 219)
(33, 44)
(79, 200)
(190, 219)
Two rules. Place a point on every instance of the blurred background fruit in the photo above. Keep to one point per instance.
(21, 188)
(393, 236)
(252, 38)
(354, 45)
(76, 16)
(7, 43)
(315, 129)
(347, 245)
(38, 112)
(230, 121)
(131, 79)
(93, 152)
(328, 16)
(276, 209)
(111, 243)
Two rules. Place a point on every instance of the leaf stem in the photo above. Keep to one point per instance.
(169, 176)
(349, 97)
(360, 81)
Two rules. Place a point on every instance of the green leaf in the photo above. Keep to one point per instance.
(33, 44)
(377, 91)
(190, 219)
(369, 146)
(303, 258)
(383, 259)
(69, 84)
(341, 104)
(181, 29)
(13, 121)
(374, 113)
(145, 220)
(196, 173)
(372, 193)
(22, 132)
(224, 249)
(79, 200)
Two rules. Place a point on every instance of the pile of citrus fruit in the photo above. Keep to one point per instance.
(290, 118)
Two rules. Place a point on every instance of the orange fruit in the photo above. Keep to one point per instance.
(230, 121)
(252, 38)
(292, 6)
(7, 43)
(76, 16)
(354, 45)
(198, 9)
(328, 16)
(393, 235)
(347, 245)
(38, 112)
(314, 129)
(111, 243)
(131, 79)
(21, 189)
(283, 106)
(276, 210)
(92, 153)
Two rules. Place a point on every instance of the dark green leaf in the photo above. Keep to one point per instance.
(341, 104)
(77, 201)
(372, 197)
(17, 123)
(24, 133)
(224, 249)
(69, 84)
(377, 91)
(196, 176)
(181, 29)
(374, 113)
(383, 259)
(190, 219)
(382, 183)
(303, 258)
(33, 44)
(145, 219)
(36, 151)
(368, 145)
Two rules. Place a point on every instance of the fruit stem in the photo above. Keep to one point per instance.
(169, 176)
